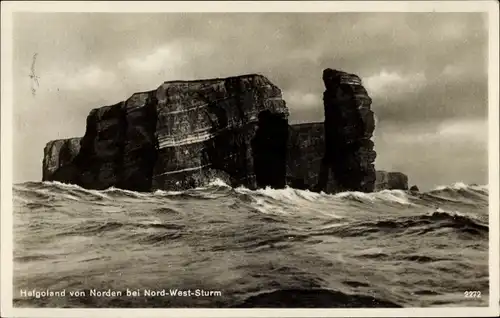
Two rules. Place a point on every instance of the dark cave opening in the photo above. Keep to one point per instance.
(269, 147)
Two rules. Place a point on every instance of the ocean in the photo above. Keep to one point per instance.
(220, 247)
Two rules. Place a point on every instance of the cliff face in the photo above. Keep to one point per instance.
(304, 164)
(391, 181)
(58, 157)
(349, 125)
(180, 136)
(186, 133)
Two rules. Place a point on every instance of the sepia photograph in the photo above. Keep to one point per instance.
(321, 155)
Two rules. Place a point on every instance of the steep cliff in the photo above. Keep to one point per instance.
(186, 133)
(304, 163)
(180, 136)
(58, 157)
(349, 125)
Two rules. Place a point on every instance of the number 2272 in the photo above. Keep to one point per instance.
(472, 294)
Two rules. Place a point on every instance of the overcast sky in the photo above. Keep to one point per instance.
(426, 74)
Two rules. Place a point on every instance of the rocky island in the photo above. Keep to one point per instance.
(186, 133)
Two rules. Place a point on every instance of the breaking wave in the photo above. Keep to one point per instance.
(261, 248)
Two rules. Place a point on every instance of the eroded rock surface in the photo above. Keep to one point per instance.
(186, 133)
(58, 157)
(391, 181)
(304, 164)
(349, 125)
(414, 188)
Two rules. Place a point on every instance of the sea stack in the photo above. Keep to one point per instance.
(391, 181)
(349, 125)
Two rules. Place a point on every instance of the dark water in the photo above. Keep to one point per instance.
(265, 248)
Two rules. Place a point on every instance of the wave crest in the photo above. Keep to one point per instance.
(461, 186)
(457, 193)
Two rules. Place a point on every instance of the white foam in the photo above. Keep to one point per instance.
(266, 208)
(218, 183)
(355, 195)
(455, 213)
(388, 196)
(287, 195)
(62, 185)
(309, 195)
(298, 201)
(398, 196)
(69, 186)
(454, 186)
(166, 193)
(133, 193)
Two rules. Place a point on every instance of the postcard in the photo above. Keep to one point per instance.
(250, 159)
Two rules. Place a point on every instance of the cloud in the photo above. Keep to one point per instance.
(455, 99)
(391, 83)
(303, 100)
(435, 153)
(172, 56)
(475, 131)
(419, 68)
(449, 132)
(88, 78)
(161, 58)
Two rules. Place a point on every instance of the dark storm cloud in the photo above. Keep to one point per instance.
(418, 67)
(436, 100)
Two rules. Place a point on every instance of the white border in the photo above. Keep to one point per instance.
(491, 7)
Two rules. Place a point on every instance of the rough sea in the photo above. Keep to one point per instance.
(232, 247)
